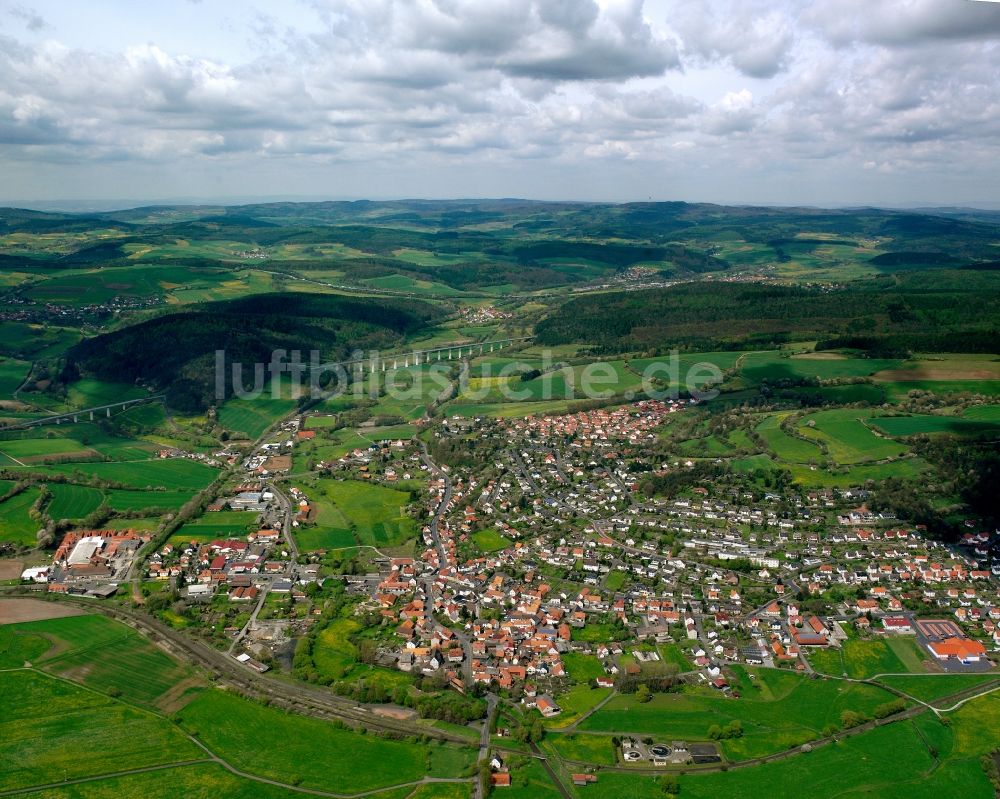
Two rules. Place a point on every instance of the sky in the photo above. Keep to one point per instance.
(787, 102)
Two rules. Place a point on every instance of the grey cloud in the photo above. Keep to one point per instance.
(906, 22)
(755, 37)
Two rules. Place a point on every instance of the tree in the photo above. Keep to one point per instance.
(643, 694)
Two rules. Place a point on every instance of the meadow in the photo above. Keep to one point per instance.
(373, 513)
(931, 687)
(847, 436)
(218, 524)
(861, 659)
(784, 711)
(490, 541)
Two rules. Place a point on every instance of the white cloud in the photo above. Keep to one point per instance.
(705, 85)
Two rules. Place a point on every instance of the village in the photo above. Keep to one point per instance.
(548, 553)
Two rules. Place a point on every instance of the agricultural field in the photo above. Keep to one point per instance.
(784, 446)
(16, 525)
(178, 474)
(336, 658)
(974, 421)
(577, 701)
(932, 687)
(73, 501)
(854, 767)
(105, 655)
(252, 417)
(202, 780)
(773, 367)
(232, 727)
(126, 500)
(596, 749)
(528, 780)
(52, 730)
(217, 524)
(582, 668)
(12, 374)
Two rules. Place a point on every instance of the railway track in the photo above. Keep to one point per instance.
(292, 696)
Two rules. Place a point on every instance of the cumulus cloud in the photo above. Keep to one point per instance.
(411, 84)
(755, 37)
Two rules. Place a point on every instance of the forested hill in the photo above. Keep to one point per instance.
(176, 352)
(931, 311)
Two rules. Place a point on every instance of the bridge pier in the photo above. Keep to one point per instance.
(91, 416)
(107, 412)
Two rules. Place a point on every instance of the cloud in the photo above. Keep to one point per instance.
(906, 22)
(31, 19)
(401, 86)
(754, 37)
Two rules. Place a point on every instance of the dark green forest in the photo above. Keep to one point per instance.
(957, 312)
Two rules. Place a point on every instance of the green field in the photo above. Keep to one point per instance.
(490, 541)
(847, 437)
(253, 416)
(785, 446)
(528, 781)
(891, 761)
(124, 500)
(582, 668)
(784, 711)
(51, 730)
(169, 473)
(16, 525)
(596, 749)
(218, 524)
(12, 374)
(931, 687)
(575, 702)
(313, 753)
(772, 366)
(197, 781)
(861, 659)
(104, 655)
(939, 423)
(73, 501)
(373, 514)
